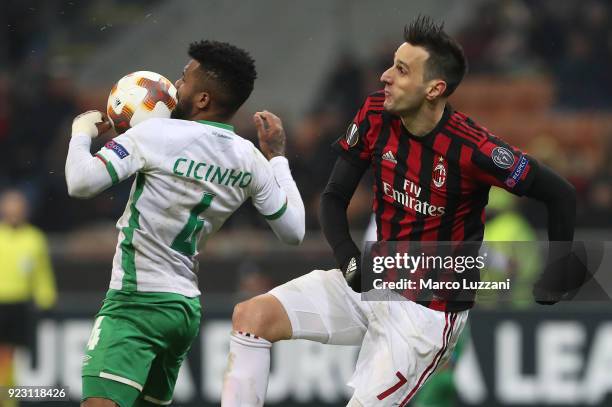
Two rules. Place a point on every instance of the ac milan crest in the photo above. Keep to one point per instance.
(439, 173)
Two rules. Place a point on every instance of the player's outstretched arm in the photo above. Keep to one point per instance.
(288, 222)
(85, 174)
(341, 186)
(559, 196)
(120, 158)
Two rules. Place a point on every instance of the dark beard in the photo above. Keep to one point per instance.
(181, 111)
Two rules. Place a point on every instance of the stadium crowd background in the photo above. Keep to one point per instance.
(539, 78)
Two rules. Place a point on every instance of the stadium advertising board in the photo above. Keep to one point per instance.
(556, 357)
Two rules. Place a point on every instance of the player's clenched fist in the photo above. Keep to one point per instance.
(93, 123)
(270, 133)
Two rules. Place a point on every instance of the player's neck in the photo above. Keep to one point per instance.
(209, 117)
(421, 122)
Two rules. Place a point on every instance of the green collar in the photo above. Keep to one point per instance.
(217, 124)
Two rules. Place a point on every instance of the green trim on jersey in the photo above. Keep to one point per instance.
(128, 254)
(278, 213)
(109, 168)
(144, 297)
(217, 124)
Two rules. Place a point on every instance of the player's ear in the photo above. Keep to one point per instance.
(435, 89)
(202, 100)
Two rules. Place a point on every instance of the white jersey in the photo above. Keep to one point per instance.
(191, 176)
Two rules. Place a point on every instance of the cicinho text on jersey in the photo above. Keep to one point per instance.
(211, 173)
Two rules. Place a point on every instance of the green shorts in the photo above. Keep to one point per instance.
(137, 345)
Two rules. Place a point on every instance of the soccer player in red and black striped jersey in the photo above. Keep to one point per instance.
(433, 167)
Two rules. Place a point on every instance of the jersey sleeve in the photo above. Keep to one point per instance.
(499, 164)
(355, 145)
(268, 197)
(122, 156)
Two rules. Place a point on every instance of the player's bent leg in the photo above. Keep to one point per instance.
(117, 358)
(318, 306)
(163, 374)
(101, 392)
(256, 323)
(263, 316)
(404, 346)
(129, 334)
(353, 402)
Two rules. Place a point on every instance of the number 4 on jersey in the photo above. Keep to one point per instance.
(186, 241)
(95, 334)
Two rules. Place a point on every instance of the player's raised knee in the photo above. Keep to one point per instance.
(249, 316)
(263, 316)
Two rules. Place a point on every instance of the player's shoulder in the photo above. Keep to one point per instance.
(174, 129)
(372, 110)
(157, 125)
(161, 135)
(154, 123)
(151, 128)
(467, 130)
(374, 102)
(252, 153)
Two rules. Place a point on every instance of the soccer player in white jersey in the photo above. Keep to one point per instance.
(192, 172)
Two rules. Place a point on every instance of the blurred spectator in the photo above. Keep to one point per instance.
(516, 37)
(342, 87)
(510, 52)
(478, 35)
(5, 122)
(26, 275)
(596, 209)
(547, 36)
(506, 232)
(578, 74)
(599, 197)
(312, 158)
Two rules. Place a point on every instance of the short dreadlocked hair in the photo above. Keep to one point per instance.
(446, 58)
(230, 68)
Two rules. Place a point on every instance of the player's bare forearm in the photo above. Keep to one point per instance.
(270, 134)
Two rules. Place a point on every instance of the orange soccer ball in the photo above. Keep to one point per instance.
(140, 96)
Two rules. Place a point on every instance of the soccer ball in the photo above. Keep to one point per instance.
(139, 96)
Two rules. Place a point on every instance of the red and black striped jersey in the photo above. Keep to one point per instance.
(434, 187)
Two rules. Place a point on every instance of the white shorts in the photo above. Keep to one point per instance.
(402, 342)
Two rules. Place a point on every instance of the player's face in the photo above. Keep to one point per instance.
(405, 88)
(185, 90)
